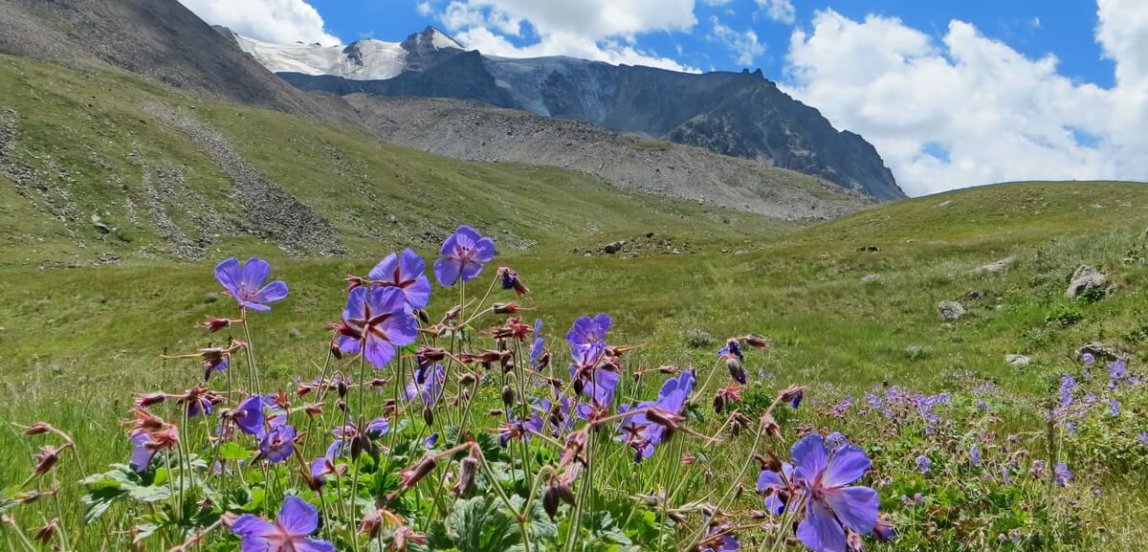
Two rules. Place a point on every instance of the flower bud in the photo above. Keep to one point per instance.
(44, 534)
(38, 428)
(467, 467)
(736, 371)
(757, 341)
(505, 308)
(507, 395)
(46, 459)
(428, 415)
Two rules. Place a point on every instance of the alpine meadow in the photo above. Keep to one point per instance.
(410, 296)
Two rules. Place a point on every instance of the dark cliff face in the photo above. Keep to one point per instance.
(737, 114)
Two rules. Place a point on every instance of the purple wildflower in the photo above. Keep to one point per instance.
(289, 533)
(245, 283)
(1114, 407)
(142, 453)
(589, 334)
(975, 455)
(842, 407)
(278, 443)
(376, 322)
(924, 464)
(1088, 358)
(1037, 469)
(430, 441)
(427, 384)
(377, 428)
(830, 505)
(775, 486)
(555, 417)
(645, 431)
(720, 539)
(1142, 438)
(405, 273)
(463, 254)
(1063, 474)
(249, 415)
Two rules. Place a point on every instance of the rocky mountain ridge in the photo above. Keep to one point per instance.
(738, 114)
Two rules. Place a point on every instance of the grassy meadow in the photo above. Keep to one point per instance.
(850, 307)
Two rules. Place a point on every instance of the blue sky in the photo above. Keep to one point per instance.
(951, 93)
(1035, 28)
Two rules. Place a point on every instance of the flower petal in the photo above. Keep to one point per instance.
(769, 480)
(809, 455)
(275, 291)
(820, 531)
(228, 273)
(253, 527)
(379, 351)
(385, 270)
(446, 271)
(411, 264)
(470, 270)
(856, 507)
(356, 300)
(402, 329)
(314, 545)
(387, 299)
(848, 464)
(418, 293)
(484, 250)
(255, 272)
(448, 245)
(297, 517)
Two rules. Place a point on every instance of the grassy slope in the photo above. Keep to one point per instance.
(91, 143)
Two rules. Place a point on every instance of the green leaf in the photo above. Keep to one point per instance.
(233, 452)
(480, 525)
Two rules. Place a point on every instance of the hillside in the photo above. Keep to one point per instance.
(101, 167)
(469, 130)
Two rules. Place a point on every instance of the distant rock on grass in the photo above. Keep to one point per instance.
(994, 267)
(1019, 361)
(1084, 279)
(950, 311)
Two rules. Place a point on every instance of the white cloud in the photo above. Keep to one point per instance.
(745, 45)
(424, 8)
(969, 110)
(281, 21)
(603, 30)
(778, 10)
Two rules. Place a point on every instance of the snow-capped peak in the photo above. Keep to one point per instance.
(366, 59)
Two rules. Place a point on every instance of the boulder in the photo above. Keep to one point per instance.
(1085, 278)
(613, 247)
(1100, 351)
(950, 311)
(994, 267)
(870, 278)
(1017, 360)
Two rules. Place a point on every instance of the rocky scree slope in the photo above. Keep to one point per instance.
(474, 131)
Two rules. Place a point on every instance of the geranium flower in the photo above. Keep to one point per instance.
(830, 505)
(463, 254)
(376, 322)
(244, 282)
(427, 384)
(405, 273)
(289, 533)
(645, 431)
(249, 416)
(278, 444)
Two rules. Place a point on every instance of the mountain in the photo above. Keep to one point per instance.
(159, 39)
(738, 114)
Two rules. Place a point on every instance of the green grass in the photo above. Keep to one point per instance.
(79, 343)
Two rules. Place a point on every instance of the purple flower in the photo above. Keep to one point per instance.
(1114, 407)
(555, 417)
(1037, 469)
(830, 505)
(430, 441)
(1063, 474)
(1142, 438)
(975, 455)
(589, 334)
(278, 444)
(427, 384)
(646, 430)
(296, 521)
(924, 464)
(245, 283)
(406, 274)
(1088, 358)
(142, 453)
(249, 415)
(463, 255)
(842, 407)
(720, 539)
(775, 486)
(376, 322)
(377, 428)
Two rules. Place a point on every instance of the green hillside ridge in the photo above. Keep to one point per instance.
(94, 142)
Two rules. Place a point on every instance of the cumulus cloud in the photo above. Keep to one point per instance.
(744, 44)
(282, 21)
(603, 30)
(778, 10)
(967, 109)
